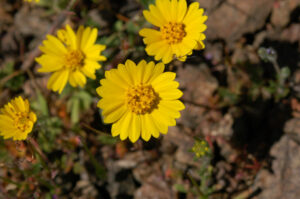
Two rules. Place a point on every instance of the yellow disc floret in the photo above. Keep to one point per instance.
(74, 60)
(173, 32)
(21, 121)
(142, 99)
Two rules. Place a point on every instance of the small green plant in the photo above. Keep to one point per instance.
(204, 154)
(276, 87)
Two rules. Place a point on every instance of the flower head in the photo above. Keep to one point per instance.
(71, 57)
(16, 119)
(140, 100)
(180, 29)
(201, 148)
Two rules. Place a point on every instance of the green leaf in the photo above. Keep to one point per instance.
(131, 27)
(75, 109)
(107, 139)
(77, 168)
(118, 26)
(180, 188)
(85, 99)
(42, 105)
(285, 72)
(8, 69)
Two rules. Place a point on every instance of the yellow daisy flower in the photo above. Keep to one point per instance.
(71, 57)
(140, 100)
(180, 29)
(16, 119)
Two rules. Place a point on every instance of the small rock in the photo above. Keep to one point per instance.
(198, 83)
(131, 160)
(191, 116)
(281, 12)
(155, 188)
(30, 22)
(233, 18)
(214, 52)
(291, 34)
(284, 181)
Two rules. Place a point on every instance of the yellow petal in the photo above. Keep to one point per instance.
(55, 45)
(89, 70)
(148, 72)
(125, 125)
(79, 35)
(79, 78)
(58, 80)
(124, 74)
(145, 131)
(164, 6)
(162, 121)
(163, 78)
(85, 37)
(158, 69)
(71, 37)
(181, 9)
(168, 110)
(141, 67)
(91, 39)
(170, 94)
(114, 76)
(32, 116)
(93, 52)
(135, 128)
(151, 125)
(49, 63)
(153, 16)
(154, 48)
(151, 35)
(168, 55)
(113, 112)
(131, 68)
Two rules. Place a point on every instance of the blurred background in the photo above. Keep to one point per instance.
(239, 136)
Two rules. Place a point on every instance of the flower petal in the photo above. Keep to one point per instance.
(135, 128)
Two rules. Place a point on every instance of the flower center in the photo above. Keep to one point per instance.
(74, 59)
(142, 99)
(173, 32)
(22, 121)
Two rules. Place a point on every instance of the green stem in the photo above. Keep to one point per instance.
(93, 129)
(200, 193)
(37, 151)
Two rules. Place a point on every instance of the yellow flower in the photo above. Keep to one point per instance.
(201, 148)
(71, 57)
(180, 29)
(16, 119)
(140, 100)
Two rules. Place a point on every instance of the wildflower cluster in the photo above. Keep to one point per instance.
(201, 148)
(140, 100)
